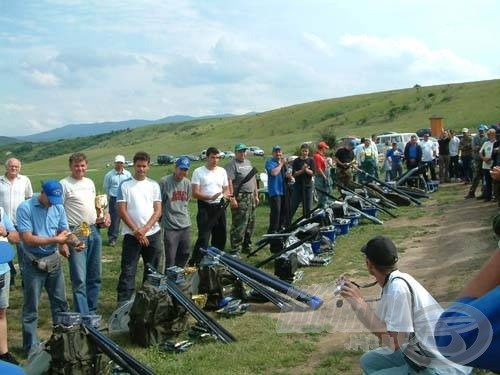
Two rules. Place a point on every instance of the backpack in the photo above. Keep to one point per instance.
(155, 316)
(73, 353)
(218, 284)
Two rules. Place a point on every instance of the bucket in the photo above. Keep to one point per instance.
(342, 226)
(354, 220)
(316, 246)
(329, 232)
(372, 211)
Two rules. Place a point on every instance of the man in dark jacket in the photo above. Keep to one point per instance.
(413, 153)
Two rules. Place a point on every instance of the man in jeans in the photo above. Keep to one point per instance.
(43, 228)
(84, 266)
(112, 181)
(139, 204)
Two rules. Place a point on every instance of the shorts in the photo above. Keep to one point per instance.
(4, 292)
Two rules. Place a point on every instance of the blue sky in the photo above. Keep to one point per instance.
(71, 61)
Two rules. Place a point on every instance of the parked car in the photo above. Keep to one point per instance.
(229, 154)
(257, 151)
(129, 163)
(165, 159)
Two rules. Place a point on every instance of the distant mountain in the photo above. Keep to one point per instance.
(7, 140)
(85, 130)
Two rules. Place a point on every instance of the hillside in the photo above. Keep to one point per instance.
(461, 105)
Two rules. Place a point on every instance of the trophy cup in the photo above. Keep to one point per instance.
(101, 202)
(74, 238)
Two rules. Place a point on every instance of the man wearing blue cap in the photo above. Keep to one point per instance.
(175, 221)
(43, 228)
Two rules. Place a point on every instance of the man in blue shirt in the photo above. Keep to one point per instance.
(7, 233)
(112, 181)
(277, 174)
(43, 229)
(395, 155)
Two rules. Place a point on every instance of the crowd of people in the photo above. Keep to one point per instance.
(155, 221)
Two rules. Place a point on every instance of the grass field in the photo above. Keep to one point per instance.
(260, 348)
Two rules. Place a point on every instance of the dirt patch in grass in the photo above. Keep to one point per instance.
(450, 245)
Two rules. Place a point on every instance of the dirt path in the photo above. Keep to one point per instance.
(456, 241)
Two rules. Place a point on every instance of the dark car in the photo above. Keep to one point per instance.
(165, 159)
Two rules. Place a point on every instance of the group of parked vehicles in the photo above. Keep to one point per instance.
(171, 159)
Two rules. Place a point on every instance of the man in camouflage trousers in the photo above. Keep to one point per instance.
(244, 200)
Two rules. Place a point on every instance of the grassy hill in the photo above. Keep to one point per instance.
(461, 105)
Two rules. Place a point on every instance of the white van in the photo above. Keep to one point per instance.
(401, 139)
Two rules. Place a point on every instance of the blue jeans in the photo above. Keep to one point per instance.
(324, 185)
(131, 250)
(85, 273)
(467, 168)
(115, 219)
(385, 361)
(34, 280)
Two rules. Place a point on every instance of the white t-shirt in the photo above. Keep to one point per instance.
(210, 181)
(140, 197)
(428, 150)
(79, 200)
(487, 151)
(12, 194)
(418, 314)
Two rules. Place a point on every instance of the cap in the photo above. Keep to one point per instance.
(465, 130)
(381, 251)
(394, 143)
(276, 148)
(240, 147)
(183, 162)
(53, 190)
(482, 128)
(323, 144)
(119, 159)
(353, 143)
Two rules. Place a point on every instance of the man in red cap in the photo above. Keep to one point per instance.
(322, 174)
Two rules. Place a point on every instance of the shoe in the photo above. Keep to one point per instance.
(112, 243)
(469, 196)
(8, 357)
(480, 197)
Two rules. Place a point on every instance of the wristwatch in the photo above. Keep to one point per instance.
(6, 233)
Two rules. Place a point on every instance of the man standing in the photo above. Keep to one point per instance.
(395, 154)
(454, 166)
(112, 181)
(276, 180)
(477, 143)
(210, 186)
(43, 228)
(344, 158)
(84, 266)
(487, 154)
(175, 221)
(139, 205)
(321, 174)
(7, 233)
(403, 319)
(465, 149)
(303, 172)
(373, 145)
(244, 200)
(412, 153)
(429, 153)
(444, 157)
(14, 189)
(366, 161)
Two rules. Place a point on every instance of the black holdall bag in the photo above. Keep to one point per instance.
(156, 316)
(218, 283)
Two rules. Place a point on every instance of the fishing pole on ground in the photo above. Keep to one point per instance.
(414, 200)
(364, 199)
(314, 302)
(354, 209)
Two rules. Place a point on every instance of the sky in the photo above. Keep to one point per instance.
(70, 61)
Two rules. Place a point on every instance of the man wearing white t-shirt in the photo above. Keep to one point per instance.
(210, 186)
(403, 320)
(139, 205)
(84, 265)
(429, 154)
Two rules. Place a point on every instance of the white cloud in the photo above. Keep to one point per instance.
(317, 43)
(43, 79)
(415, 57)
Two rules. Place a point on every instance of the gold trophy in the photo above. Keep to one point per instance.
(74, 238)
(101, 202)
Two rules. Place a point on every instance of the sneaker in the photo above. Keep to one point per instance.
(112, 243)
(8, 357)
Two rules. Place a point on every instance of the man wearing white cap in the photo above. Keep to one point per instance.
(112, 181)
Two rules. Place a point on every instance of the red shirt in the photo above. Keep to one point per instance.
(319, 162)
